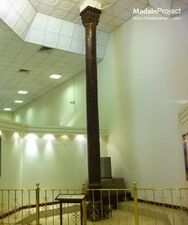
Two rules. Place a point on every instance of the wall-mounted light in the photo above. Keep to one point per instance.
(65, 137)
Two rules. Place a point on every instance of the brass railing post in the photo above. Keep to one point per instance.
(135, 195)
(84, 204)
(37, 204)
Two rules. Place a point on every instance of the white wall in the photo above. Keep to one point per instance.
(150, 81)
(60, 162)
(11, 160)
(6, 116)
(53, 160)
(55, 108)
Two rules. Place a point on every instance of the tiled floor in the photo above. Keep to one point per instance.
(148, 215)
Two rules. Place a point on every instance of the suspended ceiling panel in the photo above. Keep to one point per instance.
(18, 14)
(115, 12)
(42, 29)
(62, 34)
(25, 66)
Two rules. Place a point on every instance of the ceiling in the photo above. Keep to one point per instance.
(16, 54)
(115, 12)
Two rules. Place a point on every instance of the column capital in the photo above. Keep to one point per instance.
(90, 15)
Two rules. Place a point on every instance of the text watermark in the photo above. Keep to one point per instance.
(153, 14)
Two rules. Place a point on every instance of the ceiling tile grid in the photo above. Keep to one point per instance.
(17, 14)
(16, 54)
(50, 39)
(69, 10)
(118, 10)
(61, 34)
(64, 42)
(35, 36)
(58, 8)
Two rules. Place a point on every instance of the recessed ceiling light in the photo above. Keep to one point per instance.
(55, 76)
(18, 101)
(22, 92)
(7, 109)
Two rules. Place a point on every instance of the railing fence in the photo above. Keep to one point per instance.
(134, 206)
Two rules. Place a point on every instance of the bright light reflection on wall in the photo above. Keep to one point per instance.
(49, 148)
(16, 135)
(31, 144)
(31, 137)
(16, 139)
(0, 133)
(48, 137)
(80, 137)
(29, 115)
(80, 145)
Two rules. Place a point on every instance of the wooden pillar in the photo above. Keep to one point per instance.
(90, 18)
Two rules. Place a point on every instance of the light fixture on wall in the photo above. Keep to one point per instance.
(65, 137)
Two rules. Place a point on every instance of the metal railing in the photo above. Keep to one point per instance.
(134, 206)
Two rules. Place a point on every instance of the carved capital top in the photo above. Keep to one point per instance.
(90, 15)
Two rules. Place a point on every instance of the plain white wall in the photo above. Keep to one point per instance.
(11, 160)
(148, 63)
(6, 116)
(53, 160)
(55, 108)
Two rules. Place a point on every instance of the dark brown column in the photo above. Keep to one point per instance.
(90, 18)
